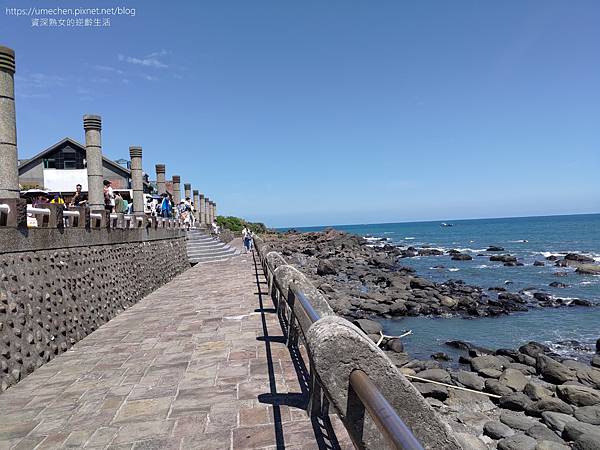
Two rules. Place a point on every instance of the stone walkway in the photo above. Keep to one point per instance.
(198, 364)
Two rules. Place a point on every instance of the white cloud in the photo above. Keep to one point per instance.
(147, 62)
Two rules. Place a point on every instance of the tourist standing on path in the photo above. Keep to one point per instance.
(109, 197)
(79, 199)
(119, 204)
(247, 236)
(166, 210)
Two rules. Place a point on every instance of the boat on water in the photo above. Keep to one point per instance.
(444, 224)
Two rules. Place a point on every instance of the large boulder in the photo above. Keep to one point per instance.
(573, 430)
(517, 421)
(553, 371)
(588, 269)
(533, 349)
(588, 414)
(549, 404)
(496, 387)
(578, 395)
(470, 380)
(556, 420)
(514, 379)
(369, 326)
(517, 442)
(439, 375)
(587, 442)
(517, 401)
(497, 430)
(432, 390)
(536, 391)
(486, 362)
(326, 268)
(551, 445)
(541, 432)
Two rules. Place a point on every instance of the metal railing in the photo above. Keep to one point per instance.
(296, 309)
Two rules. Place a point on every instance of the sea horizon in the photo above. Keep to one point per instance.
(430, 221)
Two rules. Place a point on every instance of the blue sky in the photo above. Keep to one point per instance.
(312, 112)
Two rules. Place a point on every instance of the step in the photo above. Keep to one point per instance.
(219, 252)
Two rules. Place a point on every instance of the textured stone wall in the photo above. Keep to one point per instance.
(50, 299)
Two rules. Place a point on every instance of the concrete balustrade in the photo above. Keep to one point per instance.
(201, 210)
(176, 189)
(9, 173)
(160, 179)
(92, 125)
(196, 210)
(337, 349)
(137, 179)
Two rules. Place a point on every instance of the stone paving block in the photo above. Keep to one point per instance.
(186, 367)
(150, 409)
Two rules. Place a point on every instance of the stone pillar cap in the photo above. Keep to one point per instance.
(160, 168)
(92, 122)
(135, 152)
(176, 179)
(201, 195)
(187, 186)
(195, 192)
(7, 59)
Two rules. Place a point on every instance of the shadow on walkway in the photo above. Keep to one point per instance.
(321, 424)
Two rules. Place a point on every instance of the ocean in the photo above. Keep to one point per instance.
(568, 330)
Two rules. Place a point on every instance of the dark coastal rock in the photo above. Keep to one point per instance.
(581, 302)
(439, 375)
(461, 257)
(369, 326)
(533, 349)
(497, 430)
(517, 421)
(494, 248)
(514, 379)
(494, 386)
(441, 356)
(578, 395)
(539, 263)
(486, 362)
(429, 252)
(573, 430)
(469, 380)
(578, 258)
(326, 268)
(558, 284)
(395, 345)
(587, 442)
(490, 373)
(553, 371)
(556, 420)
(548, 404)
(588, 269)
(552, 258)
(536, 391)
(421, 283)
(588, 414)
(503, 258)
(541, 432)
(517, 401)
(432, 390)
(551, 445)
(517, 442)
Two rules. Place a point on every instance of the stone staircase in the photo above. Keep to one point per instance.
(203, 248)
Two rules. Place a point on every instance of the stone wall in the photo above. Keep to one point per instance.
(50, 298)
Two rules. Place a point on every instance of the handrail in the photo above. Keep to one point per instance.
(380, 410)
(382, 413)
(42, 211)
(68, 213)
(312, 314)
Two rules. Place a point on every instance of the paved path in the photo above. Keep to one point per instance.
(198, 364)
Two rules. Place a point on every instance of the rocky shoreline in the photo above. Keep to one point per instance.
(361, 280)
(529, 398)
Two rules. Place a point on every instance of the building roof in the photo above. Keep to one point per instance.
(24, 164)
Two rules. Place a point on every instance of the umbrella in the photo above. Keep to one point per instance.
(34, 193)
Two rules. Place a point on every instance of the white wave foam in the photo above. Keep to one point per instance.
(410, 238)
(471, 250)
(453, 269)
(482, 266)
(519, 241)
